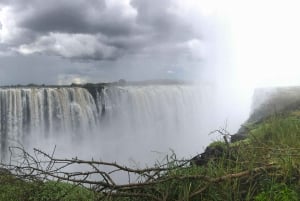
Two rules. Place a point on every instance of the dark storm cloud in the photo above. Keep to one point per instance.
(61, 19)
(156, 15)
(75, 17)
(97, 29)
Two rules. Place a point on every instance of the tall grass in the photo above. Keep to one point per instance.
(266, 166)
(263, 167)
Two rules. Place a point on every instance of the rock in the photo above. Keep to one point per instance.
(210, 153)
(4, 171)
(240, 135)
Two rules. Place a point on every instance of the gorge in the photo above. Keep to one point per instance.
(107, 120)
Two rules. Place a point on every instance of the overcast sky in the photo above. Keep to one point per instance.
(64, 41)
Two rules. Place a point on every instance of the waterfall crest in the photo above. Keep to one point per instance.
(114, 119)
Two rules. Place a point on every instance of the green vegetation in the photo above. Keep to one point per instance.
(14, 189)
(265, 166)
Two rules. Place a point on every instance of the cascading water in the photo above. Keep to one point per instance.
(44, 112)
(115, 123)
(152, 110)
(141, 119)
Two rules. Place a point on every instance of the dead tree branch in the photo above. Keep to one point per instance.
(101, 176)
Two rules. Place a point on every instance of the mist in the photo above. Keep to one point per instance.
(141, 124)
(250, 45)
(225, 48)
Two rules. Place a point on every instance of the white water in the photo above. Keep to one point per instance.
(138, 122)
(29, 114)
(141, 119)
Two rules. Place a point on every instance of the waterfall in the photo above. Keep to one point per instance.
(46, 112)
(154, 109)
(145, 120)
(114, 119)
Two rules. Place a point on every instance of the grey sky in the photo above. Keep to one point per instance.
(63, 41)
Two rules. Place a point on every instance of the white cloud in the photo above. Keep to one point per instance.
(8, 31)
(70, 46)
(124, 6)
(196, 49)
(67, 79)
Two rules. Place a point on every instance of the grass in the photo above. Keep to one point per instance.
(261, 168)
(266, 166)
(13, 189)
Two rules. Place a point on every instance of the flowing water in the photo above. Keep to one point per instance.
(118, 123)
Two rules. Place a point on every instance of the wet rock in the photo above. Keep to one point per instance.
(210, 153)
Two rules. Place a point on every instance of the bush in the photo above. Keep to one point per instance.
(59, 191)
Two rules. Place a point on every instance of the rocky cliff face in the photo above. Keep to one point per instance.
(270, 101)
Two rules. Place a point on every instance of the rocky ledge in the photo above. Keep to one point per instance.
(266, 103)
